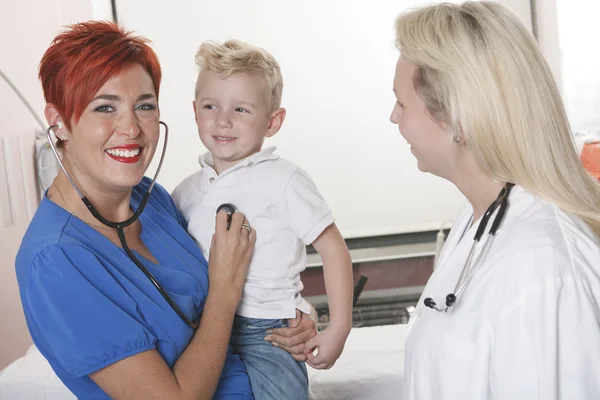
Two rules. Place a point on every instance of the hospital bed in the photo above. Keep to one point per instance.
(371, 367)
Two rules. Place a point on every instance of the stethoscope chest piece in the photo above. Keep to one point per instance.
(230, 209)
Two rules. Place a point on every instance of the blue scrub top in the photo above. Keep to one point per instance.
(87, 305)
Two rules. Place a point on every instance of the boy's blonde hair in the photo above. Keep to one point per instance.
(234, 56)
(481, 72)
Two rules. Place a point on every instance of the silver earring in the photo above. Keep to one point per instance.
(457, 139)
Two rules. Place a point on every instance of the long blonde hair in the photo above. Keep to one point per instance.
(481, 72)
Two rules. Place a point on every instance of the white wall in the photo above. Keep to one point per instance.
(566, 28)
(26, 30)
(578, 32)
(548, 38)
(337, 59)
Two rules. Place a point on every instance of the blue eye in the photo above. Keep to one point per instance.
(105, 108)
(146, 107)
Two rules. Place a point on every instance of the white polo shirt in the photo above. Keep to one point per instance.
(285, 208)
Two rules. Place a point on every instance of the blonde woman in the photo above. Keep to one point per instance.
(513, 314)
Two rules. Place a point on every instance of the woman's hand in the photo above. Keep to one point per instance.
(293, 339)
(230, 254)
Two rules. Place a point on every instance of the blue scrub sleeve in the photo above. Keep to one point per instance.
(79, 315)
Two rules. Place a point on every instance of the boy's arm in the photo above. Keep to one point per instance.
(337, 271)
(337, 267)
(306, 214)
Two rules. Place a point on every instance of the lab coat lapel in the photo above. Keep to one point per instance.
(442, 276)
(455, 237)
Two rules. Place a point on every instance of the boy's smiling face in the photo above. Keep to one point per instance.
(233, 116)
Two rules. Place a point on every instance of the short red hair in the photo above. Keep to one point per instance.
(84, 57)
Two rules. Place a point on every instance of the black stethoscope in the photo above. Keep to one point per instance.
(120, 226)
(500, 204)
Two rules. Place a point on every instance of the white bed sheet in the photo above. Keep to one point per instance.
(31, 378)
(371, 367)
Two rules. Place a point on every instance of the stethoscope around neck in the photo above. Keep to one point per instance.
(120, 226)
(500, 204)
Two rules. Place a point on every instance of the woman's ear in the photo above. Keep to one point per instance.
(52, 115)
(457, 135)
(54, 119)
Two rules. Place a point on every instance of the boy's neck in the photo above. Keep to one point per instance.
(221, 166)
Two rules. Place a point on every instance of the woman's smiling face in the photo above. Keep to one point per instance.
(112, 144)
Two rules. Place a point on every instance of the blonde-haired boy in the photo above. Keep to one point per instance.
(237, 104)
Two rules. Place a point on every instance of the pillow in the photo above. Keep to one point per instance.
(31, 378)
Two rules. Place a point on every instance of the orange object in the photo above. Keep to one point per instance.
(590, 157)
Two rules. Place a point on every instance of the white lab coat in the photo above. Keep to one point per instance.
(527, 326)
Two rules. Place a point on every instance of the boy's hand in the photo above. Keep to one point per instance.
(293, 339)
(329, 344)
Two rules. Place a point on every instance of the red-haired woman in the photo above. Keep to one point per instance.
(100, 322)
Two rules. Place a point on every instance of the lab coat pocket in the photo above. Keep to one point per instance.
(461, 358)
(457, 337)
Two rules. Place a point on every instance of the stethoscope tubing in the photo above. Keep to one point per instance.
(120, 226)
(469, 268)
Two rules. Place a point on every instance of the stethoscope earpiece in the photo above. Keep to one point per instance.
(432, 304)
(450, 300)
(429, 302)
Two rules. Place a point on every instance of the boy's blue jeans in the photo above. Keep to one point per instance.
(273, 372)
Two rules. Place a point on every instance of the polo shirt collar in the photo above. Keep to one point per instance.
(206, 159)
